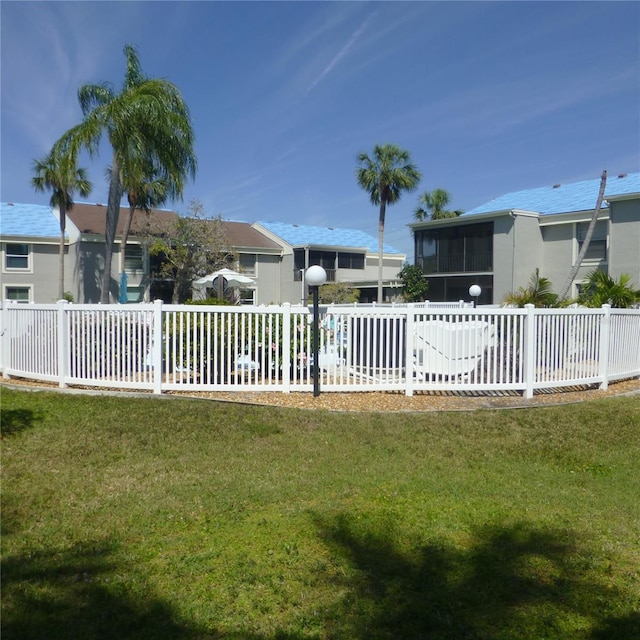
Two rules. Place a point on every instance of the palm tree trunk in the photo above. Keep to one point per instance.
(125, 235)
(111, 223)
(587, 239)
(383, 207)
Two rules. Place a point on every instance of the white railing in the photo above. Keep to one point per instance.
(406, 348)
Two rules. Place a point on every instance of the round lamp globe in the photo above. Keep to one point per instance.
(315, 276)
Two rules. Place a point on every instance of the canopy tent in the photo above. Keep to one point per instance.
(220, 280)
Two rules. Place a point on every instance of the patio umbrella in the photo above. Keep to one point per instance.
(231, 277)
(221, 278)
(123, 298)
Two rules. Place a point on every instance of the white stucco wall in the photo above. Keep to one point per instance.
(624, 239)
(42, 276)
(517, 251)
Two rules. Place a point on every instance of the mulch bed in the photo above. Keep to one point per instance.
(374, 401)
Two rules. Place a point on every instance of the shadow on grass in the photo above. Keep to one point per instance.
(514, 582)
(76, 593)
(79, 593)
(14, 421)
(508, 583)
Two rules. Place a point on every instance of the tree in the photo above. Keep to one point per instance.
(149, 130)
(600, 288)
(431, 205)
(414, 284)
(194, 248)
(338, 293)
(538, 293)
(587, 239)
(144, 193)
(61, 175)
(385, 176)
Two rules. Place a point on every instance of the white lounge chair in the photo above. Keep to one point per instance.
(245, 363)
(449, 349)
(330, 356)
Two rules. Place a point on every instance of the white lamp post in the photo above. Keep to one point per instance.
(474, 292)
(315, 277)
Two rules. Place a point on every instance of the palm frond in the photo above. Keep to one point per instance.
(600, 288)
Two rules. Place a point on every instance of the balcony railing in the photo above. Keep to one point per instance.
(457, 263)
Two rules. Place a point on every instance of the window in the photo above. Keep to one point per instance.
(350, 260)
(298, 264)
(247, 263)
(326, 259)
(135, 294)
(19, 294)
(597, 249)
(453, 288)
(16, 256)
(458, 249)
(246, 296)
(133, 258)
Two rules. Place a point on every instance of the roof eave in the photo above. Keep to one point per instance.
(14, 238)
(272, 236)
(329, 247)
(444, 222)
(276, 251)
(624, 196)
(573, 216)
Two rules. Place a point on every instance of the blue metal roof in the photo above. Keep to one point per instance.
(298, 235)
(34, 220)
(564, 198)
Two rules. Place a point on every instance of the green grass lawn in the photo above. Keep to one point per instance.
(175, 518)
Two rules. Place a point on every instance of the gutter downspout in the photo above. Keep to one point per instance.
(512, 215)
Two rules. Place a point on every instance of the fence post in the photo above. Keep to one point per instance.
(156, 347)
(605, 339)
(5, 339)
(529, 355)
(408, 348)
(63, 343)
(286, 347)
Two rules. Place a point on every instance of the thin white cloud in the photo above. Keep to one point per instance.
(355, 36)
(511, 106)
(239, 186)
(320, 27)
(49, 51)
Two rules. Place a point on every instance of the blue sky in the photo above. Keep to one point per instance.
(487, 97)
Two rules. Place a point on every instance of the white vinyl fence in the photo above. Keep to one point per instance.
(405, 348)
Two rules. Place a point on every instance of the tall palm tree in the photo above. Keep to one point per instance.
(431, 205)
(149, 129)
(61, 175)
(385, 176)
(587, 238)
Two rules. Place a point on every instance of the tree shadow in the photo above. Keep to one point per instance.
(14, 421)
(508, 582)
(619, 628)
(79, 592)
(76, 593)
(511, 582)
